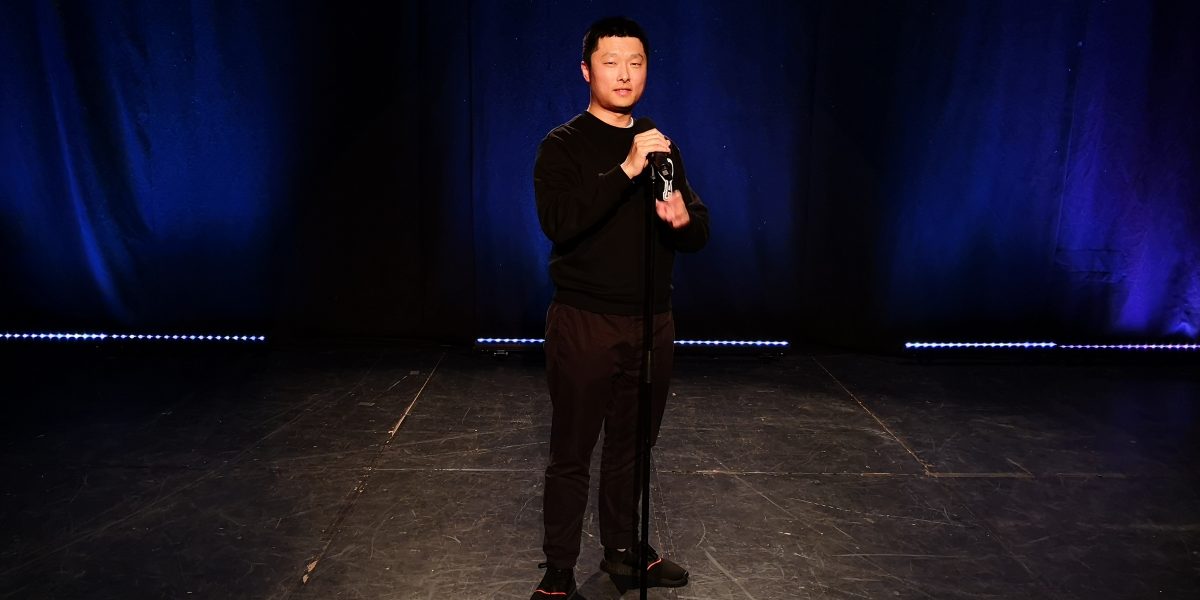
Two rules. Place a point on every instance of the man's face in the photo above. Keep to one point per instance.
(617, 74)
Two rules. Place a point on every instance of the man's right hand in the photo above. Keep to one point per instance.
(643, 144)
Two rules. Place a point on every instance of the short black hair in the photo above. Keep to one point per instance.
(612, 27)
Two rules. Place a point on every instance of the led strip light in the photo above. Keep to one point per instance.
(136, 337)
(946, 345)
(1130, 346)
(713, 343)
(1044, 346)
(754, 343)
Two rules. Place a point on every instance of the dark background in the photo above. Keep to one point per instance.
(876, 171)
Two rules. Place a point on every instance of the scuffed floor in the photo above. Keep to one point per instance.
(377, 471)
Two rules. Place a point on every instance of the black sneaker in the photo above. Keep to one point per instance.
(622, 566)
(557, 584)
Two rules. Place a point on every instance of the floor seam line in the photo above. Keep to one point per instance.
(417, 396)
(878, 420)
(361, 487)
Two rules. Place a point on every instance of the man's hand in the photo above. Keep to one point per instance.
(673, 211)
(643, 144)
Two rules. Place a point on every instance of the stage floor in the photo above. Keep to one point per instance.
(375, 471)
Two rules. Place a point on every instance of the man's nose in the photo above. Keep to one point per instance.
(623, 72)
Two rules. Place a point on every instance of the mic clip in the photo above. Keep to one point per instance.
(663, 168)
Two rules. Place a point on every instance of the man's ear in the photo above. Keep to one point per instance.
(583, 68)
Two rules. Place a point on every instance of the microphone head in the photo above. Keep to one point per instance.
(661, 161)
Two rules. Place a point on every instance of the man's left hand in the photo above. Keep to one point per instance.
(673, 211)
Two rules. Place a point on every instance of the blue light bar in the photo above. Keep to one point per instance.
(1130, 346)
(1045, 346)
(752, 343)
(945, 345)
(126, 337)
(714, 343)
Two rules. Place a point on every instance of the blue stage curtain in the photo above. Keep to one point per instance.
(876, 170)
(1040, 171)
(145, 160)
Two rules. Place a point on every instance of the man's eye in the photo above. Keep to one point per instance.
(610, 63)
(635, 64)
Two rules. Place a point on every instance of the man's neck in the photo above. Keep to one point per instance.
(615, 119)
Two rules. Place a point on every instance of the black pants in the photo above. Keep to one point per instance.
(593, 362)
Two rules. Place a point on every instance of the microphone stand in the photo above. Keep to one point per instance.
(646, 386)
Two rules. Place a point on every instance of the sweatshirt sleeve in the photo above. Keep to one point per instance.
(568, 201)
(693, 236)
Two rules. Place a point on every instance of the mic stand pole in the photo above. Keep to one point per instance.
(646, 387)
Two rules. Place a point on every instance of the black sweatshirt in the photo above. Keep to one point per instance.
(594, 215)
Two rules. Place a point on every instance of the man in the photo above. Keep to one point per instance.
(590, 180)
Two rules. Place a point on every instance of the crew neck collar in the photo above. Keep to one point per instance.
(632, 120)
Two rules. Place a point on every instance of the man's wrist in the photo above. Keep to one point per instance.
(625, 168)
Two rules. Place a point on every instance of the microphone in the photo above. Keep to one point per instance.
(662, 167)
(660, 160)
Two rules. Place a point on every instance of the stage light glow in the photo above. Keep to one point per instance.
(156, 337)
